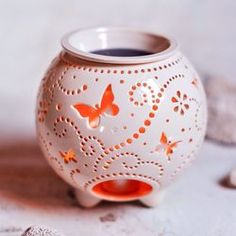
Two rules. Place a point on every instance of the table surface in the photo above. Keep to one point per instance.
(30, 193)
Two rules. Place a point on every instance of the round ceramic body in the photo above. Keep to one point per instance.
(120, 128)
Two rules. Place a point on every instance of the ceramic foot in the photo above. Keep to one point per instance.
(153, 199)
(85, 199)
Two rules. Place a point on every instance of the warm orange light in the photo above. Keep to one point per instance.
(121, 190)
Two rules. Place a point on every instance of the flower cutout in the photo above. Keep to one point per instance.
(180, 101)
(68, 156)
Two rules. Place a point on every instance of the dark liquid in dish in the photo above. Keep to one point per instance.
(121, 52)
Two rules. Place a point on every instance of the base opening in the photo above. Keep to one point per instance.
(123, 189)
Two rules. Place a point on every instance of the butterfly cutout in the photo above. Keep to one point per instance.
(93, 113)
(166, 145)
(68, 156)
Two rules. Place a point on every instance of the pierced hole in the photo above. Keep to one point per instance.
(58, 107)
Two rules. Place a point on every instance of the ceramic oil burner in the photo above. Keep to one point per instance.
(120, 114)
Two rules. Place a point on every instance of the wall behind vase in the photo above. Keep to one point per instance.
(30, 33)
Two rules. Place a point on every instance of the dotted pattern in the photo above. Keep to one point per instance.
(88, 144)
(87, 148)
(58, 163)
(51, 158)
(139, 162)
(190, 156)
(141, 130)
(48, 87)
(73, 173)
(146, 123)
(138, 70)
(69, 91)
(42, 110)
(197, 126)
(150, 91)
(68, 121)
(121, 174)
(183, 164)
(172, 79)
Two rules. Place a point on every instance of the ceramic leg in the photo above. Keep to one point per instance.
(153, 199)
(85, 199)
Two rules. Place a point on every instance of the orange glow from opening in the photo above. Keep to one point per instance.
(123, 189)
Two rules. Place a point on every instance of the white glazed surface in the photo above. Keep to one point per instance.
(64, 129)
(205, 29)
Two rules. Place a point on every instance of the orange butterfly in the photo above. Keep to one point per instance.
(106, 106)
(166, 145)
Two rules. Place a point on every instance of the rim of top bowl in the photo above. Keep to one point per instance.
(98, 31)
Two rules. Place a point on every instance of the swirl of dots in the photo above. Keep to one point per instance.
(112, 159)
(69, 91)
(68, 121)
(121, 174)
(90, 151)
(144, 95)
(138, 159)
(141, 163)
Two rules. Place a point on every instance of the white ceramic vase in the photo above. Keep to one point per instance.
(120, 128)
